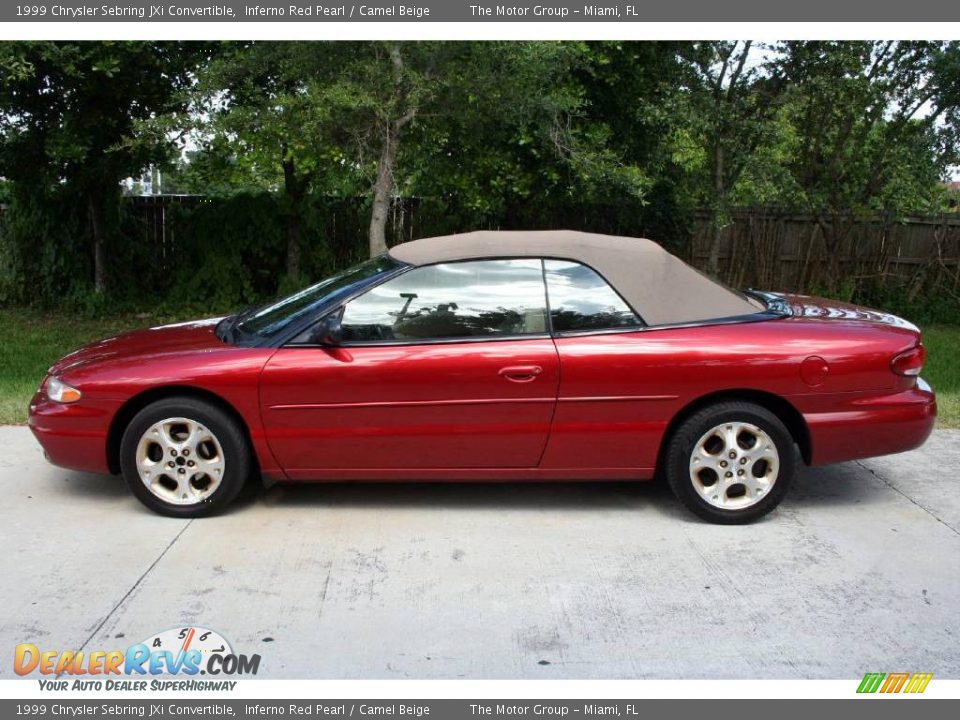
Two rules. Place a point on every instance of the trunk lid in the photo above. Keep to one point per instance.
(809, 306)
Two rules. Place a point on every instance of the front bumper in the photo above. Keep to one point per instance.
(873, 425)
(73, 436)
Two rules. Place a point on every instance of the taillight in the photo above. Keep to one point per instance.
(909, 362)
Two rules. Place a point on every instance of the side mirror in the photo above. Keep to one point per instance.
(328, 332)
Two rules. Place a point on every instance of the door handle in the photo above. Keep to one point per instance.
(521, 373)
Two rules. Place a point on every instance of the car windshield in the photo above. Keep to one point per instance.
(268, 320)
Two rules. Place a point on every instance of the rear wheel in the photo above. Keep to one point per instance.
(731, 463)
(183, 457)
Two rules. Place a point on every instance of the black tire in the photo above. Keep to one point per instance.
(228, 433)
(680, 446)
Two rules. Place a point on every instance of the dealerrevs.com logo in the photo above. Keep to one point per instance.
(189, 651)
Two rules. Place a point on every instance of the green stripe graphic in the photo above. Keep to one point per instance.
(871, 682)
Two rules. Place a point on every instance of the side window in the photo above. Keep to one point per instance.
(582, 300)
(484, 298)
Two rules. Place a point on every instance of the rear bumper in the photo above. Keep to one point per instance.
(72, 436)
(873, 425)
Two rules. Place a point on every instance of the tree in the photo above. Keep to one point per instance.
(407, 94)
(276, 110)
(503, 127)
(876, 123)
(518, 128)
(387, 118)
(856, 105)
(381, 89)
(638, 90)
(733, 94)
(736, 91)
(80, 114)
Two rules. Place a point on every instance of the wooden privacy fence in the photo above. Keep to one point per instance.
(782, 250)
(344, 226)
(758, 248)
(152, 212)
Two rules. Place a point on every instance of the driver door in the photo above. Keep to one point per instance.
(447, 366)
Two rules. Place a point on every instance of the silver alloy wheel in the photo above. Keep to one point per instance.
(734, 465)
(180, 461)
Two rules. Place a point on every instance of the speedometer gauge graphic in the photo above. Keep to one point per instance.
(182, 639)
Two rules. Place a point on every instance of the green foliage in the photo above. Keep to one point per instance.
(229, 252)
(42, 249)
(875, 123)
(75, 119)
(730, 114)
(287, 140)
(274, 104)
(544, 123)
(926, 308)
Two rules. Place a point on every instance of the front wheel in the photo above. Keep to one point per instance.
(731, 463)
(185, 458)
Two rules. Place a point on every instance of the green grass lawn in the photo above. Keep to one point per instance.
(32, 341)
(942, 371)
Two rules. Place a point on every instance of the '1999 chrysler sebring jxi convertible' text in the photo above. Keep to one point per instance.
(495, 356)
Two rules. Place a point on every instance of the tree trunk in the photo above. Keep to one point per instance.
(381, 194)
(95, 211)
(404, 111)
(713, 260)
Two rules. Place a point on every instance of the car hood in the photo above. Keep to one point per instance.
(808, 306)
(191, 336)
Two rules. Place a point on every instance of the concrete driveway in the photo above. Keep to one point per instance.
(859, 570)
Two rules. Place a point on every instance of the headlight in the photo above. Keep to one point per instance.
(59, 391)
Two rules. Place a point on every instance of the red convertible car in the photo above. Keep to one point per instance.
(495, 356)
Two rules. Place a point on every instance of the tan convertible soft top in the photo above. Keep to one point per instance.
(659, 286)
